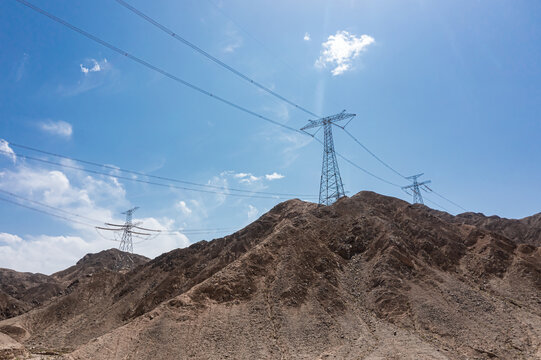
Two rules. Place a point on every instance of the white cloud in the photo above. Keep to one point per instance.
(250, 179)
(221, 181)
(94, 66)
(96, 199)
(306, 37)
(292, 144)
(9, 238)
(44, 254)
(340, 49)
(233, 41)
(157, 245)
(181, 205)
(21, 69)
(274, 176)
(94, 75)
(279, 110)
(241, 175)
(59, 128)
(252, 212)
(74, 192)
(7, 151)
(244, 178)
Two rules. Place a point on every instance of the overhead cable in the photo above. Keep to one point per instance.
(191, 86)
(360, 168)
(165, 232)
(45, 212)
(48, 206)
(152, 67)
(370, 152)
(140, 180)
(435, 203)
(114, 168)
(446, 199)
(209, 56)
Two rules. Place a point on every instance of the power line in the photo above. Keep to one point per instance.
(254, 38)
(155, 176)
(45, 212)
(371, 153)
(165, 232)
(210, 57)
(360, 168)
(435, 203)
(141, 181)
(48, 206)
(173, 77)
(393, 170)
(191, 86)
(150, 66)
(444, 198)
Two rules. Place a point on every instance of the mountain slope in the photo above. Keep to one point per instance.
(20, 292)
(524, 231)
(369, 277)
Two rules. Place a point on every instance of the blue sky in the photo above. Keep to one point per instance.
(450, 89)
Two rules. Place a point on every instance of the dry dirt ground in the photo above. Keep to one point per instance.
(370, 277)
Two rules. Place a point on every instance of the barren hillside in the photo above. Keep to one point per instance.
(369, 277)
(21, 292)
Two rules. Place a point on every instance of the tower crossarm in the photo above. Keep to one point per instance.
(415, 187)
(416, 184)
(138, 233)
(328, 120)
(414, 177)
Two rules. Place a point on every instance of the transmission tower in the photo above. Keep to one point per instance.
(331, 187)
(416, 188)
(127, 229)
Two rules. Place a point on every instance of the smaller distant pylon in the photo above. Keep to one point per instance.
(416, 187)
(128, 232)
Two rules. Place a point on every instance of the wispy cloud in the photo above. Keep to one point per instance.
(249, 178)
(292, 143)
(252, 212)
(274, 176)
(7, 151)
(184, 209)
(341, 49)
(306, 37)
(93, 74)
(58, 128)
(21, 69)
(93, 66)
(233, 40)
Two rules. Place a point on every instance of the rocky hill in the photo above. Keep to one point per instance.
(21, 292)
(524, 231)
(370, 277)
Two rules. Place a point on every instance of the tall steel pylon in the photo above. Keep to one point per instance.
(331, 187)
(126, 240)
(126, 243)
(416, 188)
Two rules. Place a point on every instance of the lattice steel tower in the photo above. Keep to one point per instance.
(331, 187)
(126, 243)
(416, 188)
(127, 229)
